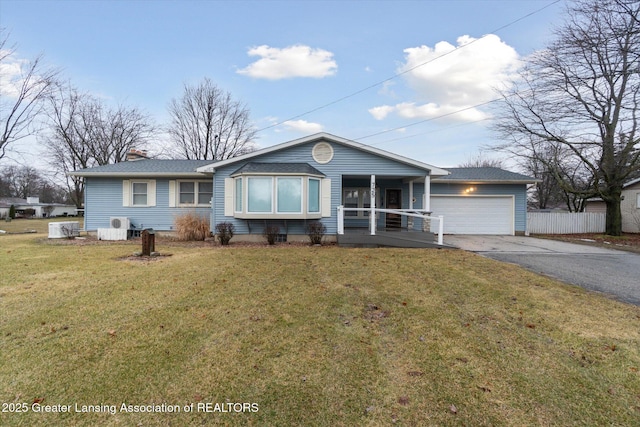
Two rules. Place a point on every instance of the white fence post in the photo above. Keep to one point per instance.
(440, 229)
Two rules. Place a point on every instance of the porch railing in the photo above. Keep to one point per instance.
(409, 213)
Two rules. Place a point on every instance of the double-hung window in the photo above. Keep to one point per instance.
(195, 193)
(139, 193)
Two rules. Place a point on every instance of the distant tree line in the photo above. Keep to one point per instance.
(24, 181)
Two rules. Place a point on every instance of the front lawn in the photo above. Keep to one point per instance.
(320, 336)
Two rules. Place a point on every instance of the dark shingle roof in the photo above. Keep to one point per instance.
(483, 174)
(146, 167)
(279, 168)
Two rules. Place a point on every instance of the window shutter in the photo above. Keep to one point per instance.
(151, 193)
(126, 192)
(326, 198)
(228, 197)
(172, 194)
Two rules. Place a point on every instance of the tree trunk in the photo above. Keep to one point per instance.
(614, 215)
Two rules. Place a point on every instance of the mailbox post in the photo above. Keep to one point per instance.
(148, 241)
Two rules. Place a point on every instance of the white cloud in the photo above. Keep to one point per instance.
(11, 77)
(302, 126)
(381, 112)
(462, 76)
(288, 62)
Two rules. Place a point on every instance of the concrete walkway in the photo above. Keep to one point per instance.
(613, 272)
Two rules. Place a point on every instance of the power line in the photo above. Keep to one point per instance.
(381, 82)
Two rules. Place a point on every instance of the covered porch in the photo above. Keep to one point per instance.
(387, 211)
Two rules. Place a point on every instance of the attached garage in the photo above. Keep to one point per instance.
(475, 214)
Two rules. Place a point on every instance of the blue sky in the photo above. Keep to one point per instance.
(286, 58)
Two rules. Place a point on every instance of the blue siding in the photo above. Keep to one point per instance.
(347, 162)
(104, 199)
(517, 190)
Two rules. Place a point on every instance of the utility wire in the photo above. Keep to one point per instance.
(407, 71)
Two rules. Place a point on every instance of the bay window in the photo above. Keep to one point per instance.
(291, 197)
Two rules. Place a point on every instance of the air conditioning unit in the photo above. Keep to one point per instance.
(120, 222)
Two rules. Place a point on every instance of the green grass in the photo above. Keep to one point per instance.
(320, 336)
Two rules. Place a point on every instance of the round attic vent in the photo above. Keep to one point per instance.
(322, 152)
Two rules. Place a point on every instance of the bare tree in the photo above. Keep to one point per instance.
(581, 94)
(207, 124)
(25, 84)
(83, 132)
(479, 161)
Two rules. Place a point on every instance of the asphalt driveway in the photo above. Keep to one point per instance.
(609, 271)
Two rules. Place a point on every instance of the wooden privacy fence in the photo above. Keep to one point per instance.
(565, 222)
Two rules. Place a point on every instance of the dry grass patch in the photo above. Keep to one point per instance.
(312, 335)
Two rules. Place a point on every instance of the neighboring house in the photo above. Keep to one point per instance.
(629, 207)
(31, 207)
(304, 180)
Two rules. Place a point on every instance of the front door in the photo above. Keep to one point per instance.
(394, 201)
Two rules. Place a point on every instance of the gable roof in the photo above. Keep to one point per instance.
(147, 168)
(433, 170)
(485, 175)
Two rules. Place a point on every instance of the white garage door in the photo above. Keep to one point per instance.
(474, 214)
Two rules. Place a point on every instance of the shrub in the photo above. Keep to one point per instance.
(224, 231)
(12, 212)
(191, 226)
(316, 231)
(271, 233)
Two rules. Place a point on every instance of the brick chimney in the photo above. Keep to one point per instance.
(135, 154)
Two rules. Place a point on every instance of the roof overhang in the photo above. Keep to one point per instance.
(140, 174)
(481, 181)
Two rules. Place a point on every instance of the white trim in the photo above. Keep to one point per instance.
(229, 192)
(325, 198)
(126, 192)
(434, 171)
(172, 194)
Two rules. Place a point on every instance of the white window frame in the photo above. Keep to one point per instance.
(196, 195)
(308, 195)
(128, 195)
(245, 195)
(276, 193)
(238, 204)
(133, 194)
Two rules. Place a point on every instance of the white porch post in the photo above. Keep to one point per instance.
(340, 219)
(427, 193)
(372, 214)
(410, 218)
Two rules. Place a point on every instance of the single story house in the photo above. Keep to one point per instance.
(629, 207)
(320, 177)
(31, 207)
